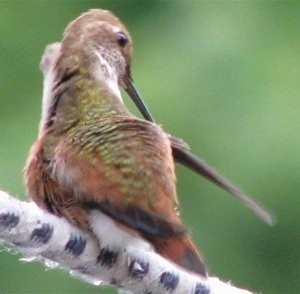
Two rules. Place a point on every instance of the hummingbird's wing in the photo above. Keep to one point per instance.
(183, 155)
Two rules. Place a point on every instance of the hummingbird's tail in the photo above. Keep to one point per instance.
(183, 252)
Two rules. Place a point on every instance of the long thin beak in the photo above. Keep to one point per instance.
(136, 98)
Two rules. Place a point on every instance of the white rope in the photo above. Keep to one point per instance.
(40, 235)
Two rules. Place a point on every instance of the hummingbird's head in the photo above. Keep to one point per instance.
(102, 40)
(101, 37)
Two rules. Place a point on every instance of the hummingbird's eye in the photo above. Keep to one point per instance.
(122, 39)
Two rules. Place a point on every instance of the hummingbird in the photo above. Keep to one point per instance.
(97, 165)
(94, 163)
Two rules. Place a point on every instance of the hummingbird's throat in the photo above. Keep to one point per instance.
(107, 75)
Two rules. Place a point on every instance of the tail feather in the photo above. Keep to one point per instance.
(182, 252)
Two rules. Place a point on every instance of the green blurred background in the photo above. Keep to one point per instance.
(225, 76)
